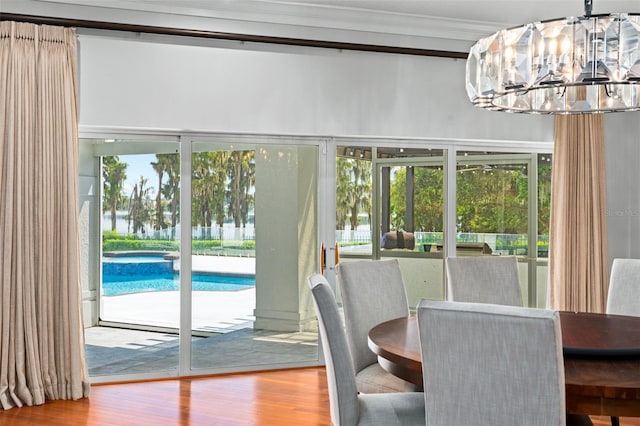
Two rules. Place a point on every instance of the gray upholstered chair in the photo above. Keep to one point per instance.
(487, 364)
(624, 293)
(346, 405)
(484, 279)
(624, 288)
(372, 292)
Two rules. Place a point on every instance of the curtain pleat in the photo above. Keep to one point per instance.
(578, 260)
(41, 332)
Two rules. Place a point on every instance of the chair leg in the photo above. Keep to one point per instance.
(615, 421)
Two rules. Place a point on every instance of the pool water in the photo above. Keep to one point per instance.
(136, 273)
(114, 285)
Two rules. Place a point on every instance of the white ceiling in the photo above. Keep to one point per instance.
(398, 22)
(510, 12)
(499, 12)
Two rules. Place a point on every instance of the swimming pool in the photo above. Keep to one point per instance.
(126, 274)
(115, 285)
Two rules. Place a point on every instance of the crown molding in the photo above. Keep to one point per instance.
(314, 17)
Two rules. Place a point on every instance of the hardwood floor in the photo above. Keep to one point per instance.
(285, 397)
(290, 397)
(624, 421)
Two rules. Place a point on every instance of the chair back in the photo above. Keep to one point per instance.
(624, 288)
(484, 279)
(491, 364)
(372, 292)
(343, 399)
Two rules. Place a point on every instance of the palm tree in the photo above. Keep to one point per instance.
(159, 167)
(171, 190)
(219, 167)
(241, 174)
(168, 192)
(114, 175)
(361, 193)
(207, 188)
(201, 188)
(139, 212)
(353, 191)
(343, 185)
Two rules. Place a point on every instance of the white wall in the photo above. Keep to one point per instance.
(622, 156)
(161, 84)
(284, 90)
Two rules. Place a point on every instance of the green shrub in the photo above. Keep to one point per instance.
(116, 242)
(113, 235)
(205, 245)
(134, 244)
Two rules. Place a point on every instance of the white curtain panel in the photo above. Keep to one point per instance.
(41, 332)
(579, 265)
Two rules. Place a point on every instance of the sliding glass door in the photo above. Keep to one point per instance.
(202, 250)
(197, 249)
(409, 203)
(410, 207)
(254, 241)
(502, 208)
(131, 285)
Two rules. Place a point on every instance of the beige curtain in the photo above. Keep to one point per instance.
(41, 332)
(578, 276)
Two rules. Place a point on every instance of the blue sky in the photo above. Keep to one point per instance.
(140, 165)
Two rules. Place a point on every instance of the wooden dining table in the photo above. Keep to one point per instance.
(601, 360)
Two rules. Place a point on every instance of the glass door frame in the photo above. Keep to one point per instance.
(530, 160)
(186, 148)
(140, 143)
(326, 223)
(378, 165)
(325, 207)
(524, 153)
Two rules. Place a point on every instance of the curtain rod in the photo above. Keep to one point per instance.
(183, 32)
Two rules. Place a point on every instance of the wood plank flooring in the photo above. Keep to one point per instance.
(286, 397)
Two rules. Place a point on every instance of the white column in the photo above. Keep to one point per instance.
(286, 235)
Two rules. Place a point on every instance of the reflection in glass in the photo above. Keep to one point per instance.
(254, 218)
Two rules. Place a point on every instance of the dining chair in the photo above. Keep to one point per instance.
(484, 279)
(372, 292)
(347, 406)
(624, 288)
(492, 280)
(623, 297)
(486, 364)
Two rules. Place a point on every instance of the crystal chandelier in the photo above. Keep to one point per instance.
(574, 65)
